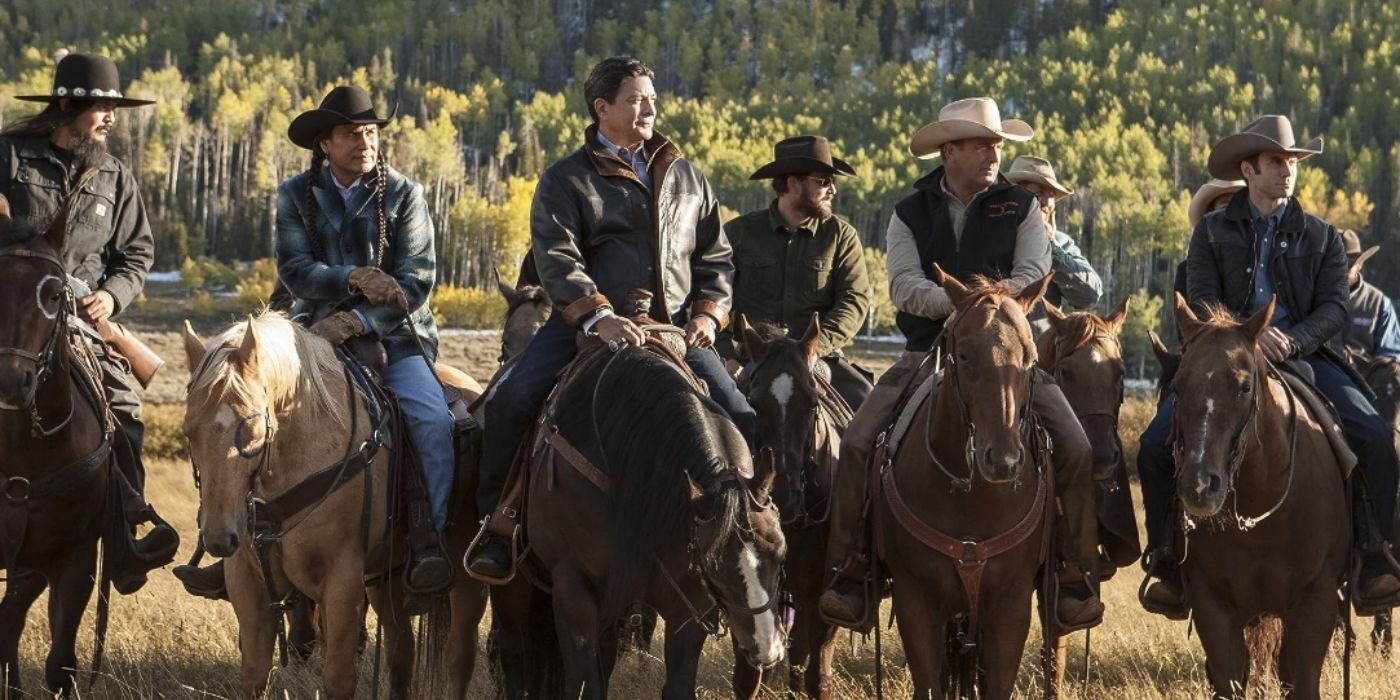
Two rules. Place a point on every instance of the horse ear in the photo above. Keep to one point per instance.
(1159, 348)
(1119, 315)
(1053, 314)
(1186, 320)
(506, 290)
(1254, 327)
(696, 493)
(246, 356)
(956, 290)
(194, 347)
(754, 345)
(765, 472)
(1033, 292)
(812, 337)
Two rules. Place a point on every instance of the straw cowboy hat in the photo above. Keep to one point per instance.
(1351, 244)
(800, 155)
(1027, 169)
(345, 104)
(972, 118)
(1207, 194)
(1271, 132)
(86, 77)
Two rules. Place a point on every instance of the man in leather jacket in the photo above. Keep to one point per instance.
(621, 227)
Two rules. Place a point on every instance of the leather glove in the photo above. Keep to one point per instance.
(378, 287)
(338, 327)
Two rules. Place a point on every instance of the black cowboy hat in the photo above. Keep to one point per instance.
(800, 155)
(346, 104)
(87, 77)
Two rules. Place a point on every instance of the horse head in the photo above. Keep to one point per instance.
(527, 308)
(1383, 376)
(1167, 360)
(37, 300)
(1218, 388)
(782, 389)
(990, 357)
(1082, 351)
(740, 548)
(259, 379)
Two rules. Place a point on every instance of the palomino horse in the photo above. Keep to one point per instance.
(962, 514)
(1082, 352)
(648, 492)
(55, 452)
(264, 413)
(1279, 546)
(800, 419)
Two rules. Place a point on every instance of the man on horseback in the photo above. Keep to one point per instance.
(1374, 331)
(622, 228)
(1075, 282)
(108, 251)
(355, 249)
(796, 257)
(969, 220)
(1261, 246)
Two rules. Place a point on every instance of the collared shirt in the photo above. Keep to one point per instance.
(637, 159)
(1266, 228)
(347, 190)
(957, 211)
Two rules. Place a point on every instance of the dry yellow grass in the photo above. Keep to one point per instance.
(165, 644)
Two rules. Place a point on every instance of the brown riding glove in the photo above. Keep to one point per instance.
(378, 287)
(338, 327)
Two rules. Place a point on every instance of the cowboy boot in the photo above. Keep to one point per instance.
(1163, 590)
(203, 581)
(1077, 604)
(845, 602)
(493, 558)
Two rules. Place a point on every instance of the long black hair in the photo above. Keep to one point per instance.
(51, 119)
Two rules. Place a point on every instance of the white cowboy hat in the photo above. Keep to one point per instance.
(1038, 170)
(1209, 192)
(972, 118)
(1271, 132)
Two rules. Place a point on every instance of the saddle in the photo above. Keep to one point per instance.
(1299, 377)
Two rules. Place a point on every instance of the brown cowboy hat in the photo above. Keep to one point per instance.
(800, 155)
(1207, 194)
(346, 104)
(87, 77)
(1351, 245)
(1035, 169)
(972, 118)
(1271, 132)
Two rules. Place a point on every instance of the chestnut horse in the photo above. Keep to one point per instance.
(1264, 503)
(271, 408)
(800, 419)
(963, 513)
(55, 449)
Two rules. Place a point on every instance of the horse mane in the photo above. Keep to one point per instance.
(1214, 313)
(523, 295)
(285, 352)
(769, 331)
(1074, 332)
(982, 288)
(655, 439)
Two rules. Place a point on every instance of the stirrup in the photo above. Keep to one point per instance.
(475, 546)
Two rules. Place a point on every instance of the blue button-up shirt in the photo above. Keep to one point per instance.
(637, 159)
(1266, 228)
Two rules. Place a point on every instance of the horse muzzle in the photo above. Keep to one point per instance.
(18, 380)
(1001, 463)
(1202, 493)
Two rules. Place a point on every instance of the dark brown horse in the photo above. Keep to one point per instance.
(55, 447)
(1264, 504)
(527, 308)
(1382, 374)
(652, 496)
(800, 419)
(963, 510)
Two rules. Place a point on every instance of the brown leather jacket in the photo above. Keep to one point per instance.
(597, 234)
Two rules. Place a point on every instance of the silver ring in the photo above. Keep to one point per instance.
(614, 345)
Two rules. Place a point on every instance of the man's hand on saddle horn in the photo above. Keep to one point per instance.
(338, 327)
(617, 331)
(700, 331)
(1277, 346)
(378, 287)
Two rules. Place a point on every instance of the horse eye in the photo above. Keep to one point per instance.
(1246, 387)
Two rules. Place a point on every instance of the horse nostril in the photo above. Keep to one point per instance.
(1214, 484)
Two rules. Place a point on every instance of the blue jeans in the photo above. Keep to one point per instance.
(516, 399)
(429, 425)
(1369, 435)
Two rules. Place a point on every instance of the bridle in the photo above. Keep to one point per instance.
(1057, 371)
(46, 358)
(803, 514)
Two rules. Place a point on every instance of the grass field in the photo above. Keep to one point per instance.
(165, 644)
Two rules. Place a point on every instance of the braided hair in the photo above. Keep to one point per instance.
(312, 210)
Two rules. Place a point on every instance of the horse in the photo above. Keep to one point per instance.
(1382, 375)
(263, 411)
(55, 456)
(959, 532)
(800, 419)
(1280, 546)
(527, 308)
(648, 492)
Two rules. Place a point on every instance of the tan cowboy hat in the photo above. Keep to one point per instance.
(1271, 132)
(1207, 194)
(800, 155)
(1027, 169)
(972, 118)
(1351, 245)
